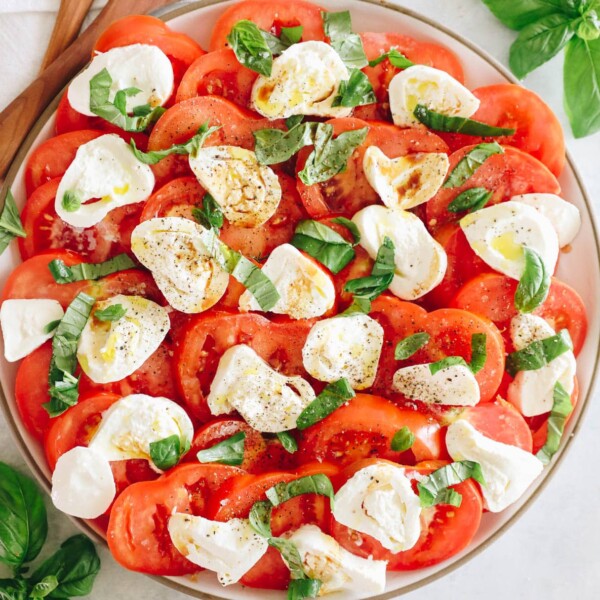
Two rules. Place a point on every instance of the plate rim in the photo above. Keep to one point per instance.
(176, 9)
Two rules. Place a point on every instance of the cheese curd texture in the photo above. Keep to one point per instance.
(140, 66)
(104, 175)
(347, 347)
(268, 400)
(432, 88)
(420, 261)
(247, 192)
(379, 501)
(406, 181)
(180, 254)
(304, 80)
(305, 289)
(230, 549)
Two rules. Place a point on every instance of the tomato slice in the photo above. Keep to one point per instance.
(492, 296)
(131, 282)
(138, 536)
(507, 175)
(350, 191)
(538, 131)
(270, 16)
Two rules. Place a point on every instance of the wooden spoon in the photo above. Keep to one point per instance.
(19, 116)
(66, 27)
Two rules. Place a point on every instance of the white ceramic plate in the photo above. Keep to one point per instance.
(580, 268)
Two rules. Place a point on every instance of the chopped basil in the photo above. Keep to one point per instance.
(64, 387)
(115, 112)
(539, 353)
(403, 440)
(440, 122)
(114, 312)
(330, 399)
(534, 284)
(166, 453)
(50, 327)
(469, 163)
(324, 244)
(71, 201)
(299, 589)
(10, 222)
(449, 361)
(311, 484)
(478, 352)
(561, 409)
(396, 58)
(210, 215)
(291, 35)
(288, 441)
(434, 489)
(88, 271)
(472, 199)
(338, 28)
(357, 91)
(351, 226)
(227, 452)
(250, 47)
(190, 147)
(410, 345)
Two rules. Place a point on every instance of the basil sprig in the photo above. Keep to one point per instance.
(330, 399)
(534, 284)
(410, 345)
(10, 222)
(396, 58)
(440, 122)
(323, 244)
(190, 147)
(166, 453)
(288, 441)
(69, 572)
(338, 28)
(469, 163)
(403, 440)
(539, 353)
(310, 484)
(356, 91)
(227, 452)
(210, 215)
(472, 199)
(64, 386)
(478, 357)
(561, 409)
(89, 271)
(435, 489)
(115, 112)
(114, 312)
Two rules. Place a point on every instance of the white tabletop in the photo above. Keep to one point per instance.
(553, 551)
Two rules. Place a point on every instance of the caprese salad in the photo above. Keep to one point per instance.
(286, 309)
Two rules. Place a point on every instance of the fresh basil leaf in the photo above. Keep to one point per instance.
(396, 58)
(472, 199)
(299, 589)
(469, 163)
(330, 399)
(288, 441)
(274, 146)
(582, 86)
(534, 284)
(410, 345)
(539, 42)
(250, 47)
(167, 452)
(588, 27)
(561, 409)
(44, 587)
(114, 312)
(75, 565)
(10, 221)
(190, 147)
(478, 352)
(293, 121)
(338, 28)
(291, 35)
(275, 45)
(539, 353)
(403, 440)
(359, 305)
(23, 522)
(323, 244)
(71, 201)
(449, 361)
(357, 91)
(227, 452)
(291, 556)
(351, 226)
(260, 518)
(89, 271)
(517, 15)
(440, 122)
(433, 490)
(51, 326)
(210, 215)
(14, 589)
(311, 484)
(63, 391)
(115, 112)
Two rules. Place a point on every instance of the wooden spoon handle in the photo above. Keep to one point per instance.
(68, 22)
(19, 116)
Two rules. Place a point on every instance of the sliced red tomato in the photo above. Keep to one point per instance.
(132, 282)
(138, 535)
(492, 296)
(507, 175)
(350, 191)
(364, 427)
(538, 131)
(445, 529)
(270, 16)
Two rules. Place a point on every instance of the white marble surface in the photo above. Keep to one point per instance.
(553, 551)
